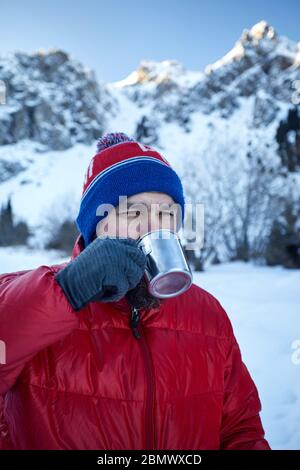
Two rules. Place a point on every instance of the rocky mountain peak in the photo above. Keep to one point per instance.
(51, 99)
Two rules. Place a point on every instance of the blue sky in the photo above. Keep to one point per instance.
(112, 36)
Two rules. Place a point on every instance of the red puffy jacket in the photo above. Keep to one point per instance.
(82, 380)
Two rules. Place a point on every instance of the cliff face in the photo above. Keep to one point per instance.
(231, 131)
(262, 65)
(50, 99)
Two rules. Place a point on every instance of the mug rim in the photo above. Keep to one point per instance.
(157, 230)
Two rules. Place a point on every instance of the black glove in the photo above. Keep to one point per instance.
(105, 270)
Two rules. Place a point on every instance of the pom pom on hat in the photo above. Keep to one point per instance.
(111, 139)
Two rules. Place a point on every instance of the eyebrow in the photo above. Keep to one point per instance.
(132, 204)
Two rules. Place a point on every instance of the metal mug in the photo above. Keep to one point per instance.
(167, 272)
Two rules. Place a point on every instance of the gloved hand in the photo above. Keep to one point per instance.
(105, 270)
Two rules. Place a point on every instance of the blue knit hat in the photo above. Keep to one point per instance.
(123, 167)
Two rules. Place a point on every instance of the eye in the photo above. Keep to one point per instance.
(167, 213)
(133, 213)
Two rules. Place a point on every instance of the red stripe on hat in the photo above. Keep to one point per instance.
(115, 154)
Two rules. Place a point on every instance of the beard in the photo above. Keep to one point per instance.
(139, 297)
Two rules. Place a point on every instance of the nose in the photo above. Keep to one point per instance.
(145, 224)
(155, 221)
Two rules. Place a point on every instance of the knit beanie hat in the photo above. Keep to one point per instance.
(123, 167)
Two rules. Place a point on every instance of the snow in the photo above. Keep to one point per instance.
(128, 114)
(49, 179)
(158, 71)
(236, 53)
(20, 258)
(263, 306)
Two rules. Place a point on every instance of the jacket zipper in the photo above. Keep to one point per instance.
(149, 421)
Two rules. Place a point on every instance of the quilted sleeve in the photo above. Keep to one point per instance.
(34, 313)
(241, 427)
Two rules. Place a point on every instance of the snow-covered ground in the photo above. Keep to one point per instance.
(264, 307)
(19, 258)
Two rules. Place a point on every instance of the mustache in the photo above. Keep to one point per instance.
(140, 297)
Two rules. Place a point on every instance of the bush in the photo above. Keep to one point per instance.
(64, 237)
(12, 233)
(284, 243)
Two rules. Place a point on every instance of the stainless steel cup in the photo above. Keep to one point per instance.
(167, 271)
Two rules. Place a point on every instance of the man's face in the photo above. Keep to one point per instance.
(139, 214)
